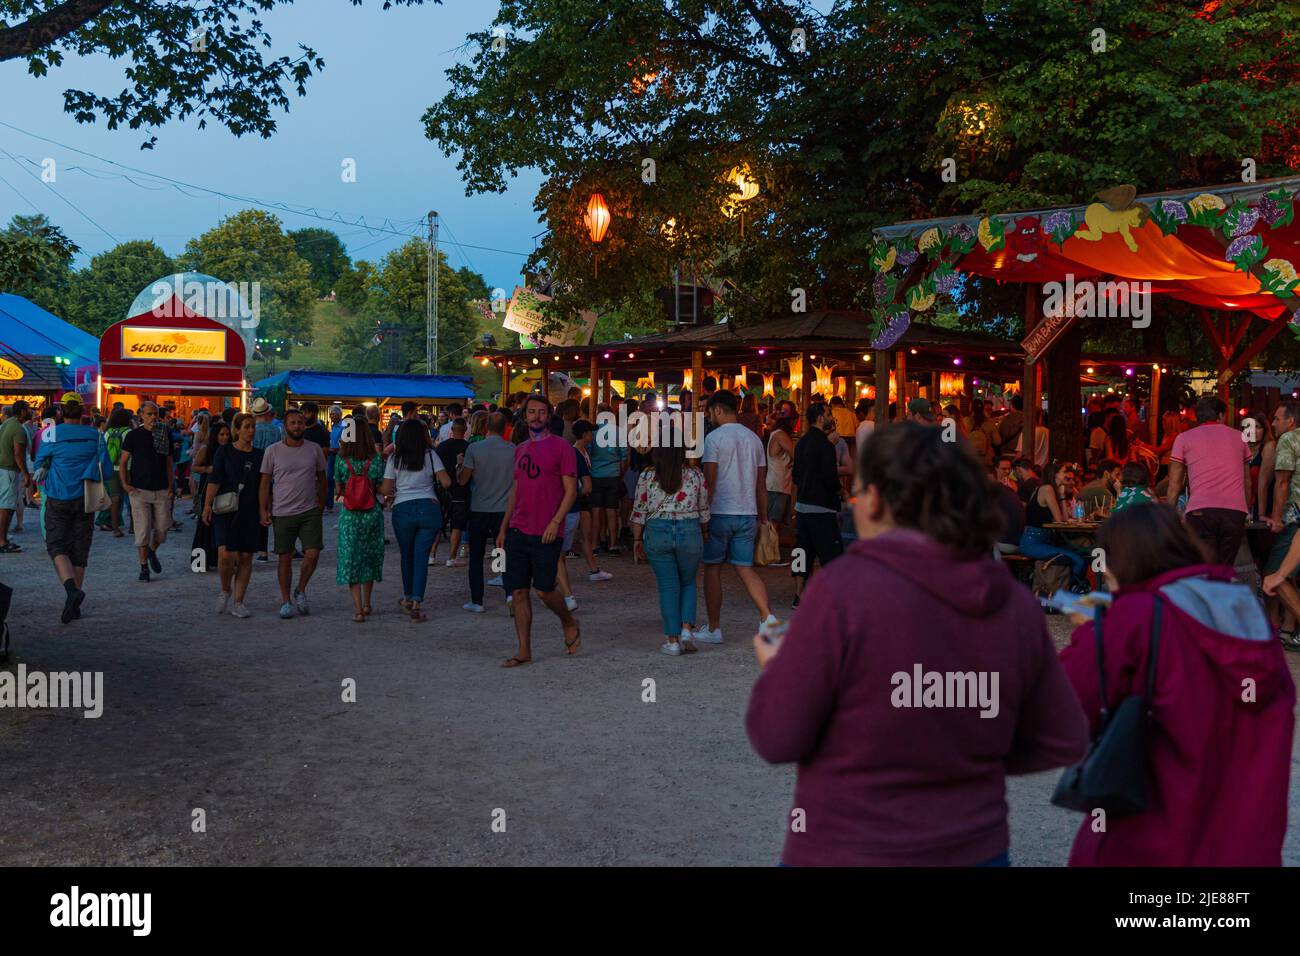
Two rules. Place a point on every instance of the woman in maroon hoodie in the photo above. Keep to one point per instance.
(1224, 703)
(915, 675)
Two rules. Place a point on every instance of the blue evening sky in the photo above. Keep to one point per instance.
(382, 69)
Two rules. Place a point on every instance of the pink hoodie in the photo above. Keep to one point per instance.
(888, 774)
(1224, 715)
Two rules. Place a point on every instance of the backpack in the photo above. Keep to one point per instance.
(358, 493)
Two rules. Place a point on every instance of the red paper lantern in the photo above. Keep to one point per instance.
(597, 217)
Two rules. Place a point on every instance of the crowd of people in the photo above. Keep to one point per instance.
(906, 517)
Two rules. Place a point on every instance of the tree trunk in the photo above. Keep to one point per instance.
(1064, 421)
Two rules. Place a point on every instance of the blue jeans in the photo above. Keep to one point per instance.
(1036, 543)
(415, 525)
(731, 540)
(673, 549)
(330, 459)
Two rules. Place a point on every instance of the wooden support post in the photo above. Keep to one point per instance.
(505, 383)
(935, 397)
(1029, 384)
(882, 387)
(900, 382)
(594, 383)
(697, 380)
(1153, 407)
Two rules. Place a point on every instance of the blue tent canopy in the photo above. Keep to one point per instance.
(360, 386)
(27, 329)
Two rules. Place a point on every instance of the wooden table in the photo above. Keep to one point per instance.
(1078, 527)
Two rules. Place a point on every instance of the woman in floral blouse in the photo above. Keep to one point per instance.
(671, 507)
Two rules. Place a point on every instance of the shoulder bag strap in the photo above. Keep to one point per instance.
(1152, 653)
(1101, 663)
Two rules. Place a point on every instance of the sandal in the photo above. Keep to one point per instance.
(1290, 639)
(517, 661)
(367, 610)
(119, 533)
(571, 647)
(418, 616)
(404, 605)
(10, 548)
(359, 618)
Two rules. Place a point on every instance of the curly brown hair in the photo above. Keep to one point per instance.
(932, 485)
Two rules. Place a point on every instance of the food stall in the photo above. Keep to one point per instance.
(352, 389)
(38, 352)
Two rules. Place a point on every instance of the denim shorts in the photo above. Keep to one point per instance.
(731, 539)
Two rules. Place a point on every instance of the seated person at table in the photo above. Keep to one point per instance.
(1027, 477)
(1013, 516)
(1105, 485)
(1044, 507)
(1134, 479)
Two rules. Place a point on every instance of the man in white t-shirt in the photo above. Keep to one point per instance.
(864, 410)
(735, 467)
(455, 412)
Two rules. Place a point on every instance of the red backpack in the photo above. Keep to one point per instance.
(358, 493)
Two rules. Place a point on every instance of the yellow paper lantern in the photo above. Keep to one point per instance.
(742, 380)
(597, 217)
(687, 376)
(646, 381)
(768, 390)
(824, 384)
(796, 373)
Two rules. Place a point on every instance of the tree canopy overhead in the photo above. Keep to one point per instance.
(205, 59)
(845, 119)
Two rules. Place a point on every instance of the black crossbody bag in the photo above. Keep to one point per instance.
(1115, 774)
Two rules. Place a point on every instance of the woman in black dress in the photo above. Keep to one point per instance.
(201, 470)
(238, 535)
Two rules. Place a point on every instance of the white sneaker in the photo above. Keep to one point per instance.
(223, 602)
(286, 610)
(671, 648)
(571, 603)
(497, 582)
(706, 636)
(300, 598)
(456, 563)
(472, 607)
(599, 575)
(510, 604)
(768, 621)
(433, 562)
(238, 610)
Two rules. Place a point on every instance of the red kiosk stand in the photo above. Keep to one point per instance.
(172, 356)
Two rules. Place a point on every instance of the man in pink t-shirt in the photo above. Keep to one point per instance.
(545, 487)
(1214, 460)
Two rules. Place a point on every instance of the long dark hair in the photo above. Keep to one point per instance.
(119, 418)
(932, 485)
(1117, 431)
(362, 446)
(1144, 541)
(667, 463)
(977, 415)
(412, 441)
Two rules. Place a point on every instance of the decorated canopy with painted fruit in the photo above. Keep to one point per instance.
(1234, 247)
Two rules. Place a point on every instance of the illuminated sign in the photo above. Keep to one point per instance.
(9, 372)
(173, 345)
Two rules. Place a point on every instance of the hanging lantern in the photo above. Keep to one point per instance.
(796, 373)
(742, 380)
(687, 377)
(597, 217)
(825, 387)
(768, 390)
(646, 381)
(744, 188)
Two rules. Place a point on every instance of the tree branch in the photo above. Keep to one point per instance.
(49, 27)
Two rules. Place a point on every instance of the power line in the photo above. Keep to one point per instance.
(74, 206)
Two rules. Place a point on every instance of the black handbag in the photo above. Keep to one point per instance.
(1115, 774)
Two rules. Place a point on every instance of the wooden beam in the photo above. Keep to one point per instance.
(882, 387)
(1258, 345)
(594, 382)
(1029, 383)
(1153, 407)
(900, 383)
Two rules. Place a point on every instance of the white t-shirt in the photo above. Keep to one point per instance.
(738, 453)
(1041, 442)
(413, 485)
(864, 430)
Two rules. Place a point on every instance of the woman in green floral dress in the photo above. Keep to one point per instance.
(361, 532)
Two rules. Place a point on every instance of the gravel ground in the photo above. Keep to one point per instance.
(245, 720)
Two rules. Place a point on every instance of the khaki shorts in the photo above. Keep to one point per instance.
(151, 516)
(305, 528)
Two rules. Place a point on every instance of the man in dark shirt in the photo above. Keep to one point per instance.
(817, 498)
(316, 431)
(145, 470)
(452, 452)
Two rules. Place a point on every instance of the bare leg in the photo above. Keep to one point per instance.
(242, 575)
(357, 605)
(757, 590)
(562, 579)
(555, 601)
(523, 623)
(284, 571)
(1290, 598)
(226, 563)
(713, 594)
(5, 517)
(584, 541)
(455, 543)
(309, 559)
(366, 590)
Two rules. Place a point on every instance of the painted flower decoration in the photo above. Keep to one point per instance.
(919, 299)
(928, 239)
(946, 284)
(885, 263)
(1175, 210)
(1269, 210)
(1239, 246)
(1059, 225)
(907, 257)
(1245, 222)
(985, 234)
(893, 330)
(1205, 201)
(1282, 268)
